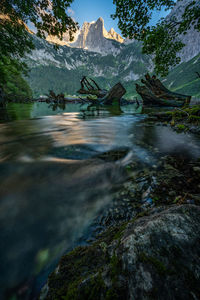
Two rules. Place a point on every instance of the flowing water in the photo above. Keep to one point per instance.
(54, 179)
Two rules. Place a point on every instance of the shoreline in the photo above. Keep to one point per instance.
(144, 198)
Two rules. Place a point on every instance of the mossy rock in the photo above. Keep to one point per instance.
(153, 257)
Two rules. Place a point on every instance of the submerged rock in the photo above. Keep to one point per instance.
(151, 257)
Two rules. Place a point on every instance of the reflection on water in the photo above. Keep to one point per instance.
(45, 206)
(20, 111)
(55, 180)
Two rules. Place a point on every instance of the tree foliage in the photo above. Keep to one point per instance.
(48, 16)
(161, 40)
(15, 86)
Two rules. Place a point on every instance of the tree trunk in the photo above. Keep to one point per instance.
(158, 89)
(98, 93)
(90, 87)
(150, 99)
(2, 98)
(114, 94)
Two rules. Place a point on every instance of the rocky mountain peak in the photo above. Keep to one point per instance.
(93, 37)
(111, 31)
(112, 34)
(100, 21)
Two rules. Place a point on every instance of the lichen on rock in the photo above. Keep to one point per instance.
(154, 257)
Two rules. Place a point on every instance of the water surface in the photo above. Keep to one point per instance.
(54, 180)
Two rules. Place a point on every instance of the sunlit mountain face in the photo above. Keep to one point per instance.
(93, 37)
(108, 58)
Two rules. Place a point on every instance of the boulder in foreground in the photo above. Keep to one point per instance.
(153, 257)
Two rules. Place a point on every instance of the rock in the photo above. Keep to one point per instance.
(146, 193)
(94, 37)
(190, 201)
(149, 201)
(172, 193)
(196, 169)
(154, 257)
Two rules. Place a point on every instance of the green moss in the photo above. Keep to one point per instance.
(112, 233)
(140, 215)
(74, 268)
(116, 291)
(72, 292)
(160, 267)
(181, 126)
(196, 118)
(93, 289)
(77, 279)
(111, 295)
(193, 110)
(155, 199)
(119, 233)
(115, 266)
(177, 199)
(184, 115)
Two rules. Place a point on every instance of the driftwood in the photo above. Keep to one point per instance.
(156, 94)
(115, 94)
(150, 99)
(156, 86)
(90, 87)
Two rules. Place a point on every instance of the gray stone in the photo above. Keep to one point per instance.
(196, 169)
(172, 193)
(155, 257)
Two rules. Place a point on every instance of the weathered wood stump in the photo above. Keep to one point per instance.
(115, 94)
(150, 99)
(154, 93)
(90, 87)
(156, 86)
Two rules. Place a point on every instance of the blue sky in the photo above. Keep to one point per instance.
(91, 10)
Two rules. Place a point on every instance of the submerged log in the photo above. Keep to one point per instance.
(90, 87)
(154, 93)
(156, 86)
(52, 96)
(114, 95)
(150, 99)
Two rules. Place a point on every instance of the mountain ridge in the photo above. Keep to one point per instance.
(93, 37)
(116, 62)
(62, 70)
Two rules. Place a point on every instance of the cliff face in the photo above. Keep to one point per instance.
(192, 38)
(67, 65)
(93, 37)
(65, 41)
(108, 58)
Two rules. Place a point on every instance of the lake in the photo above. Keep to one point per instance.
(57, 174)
